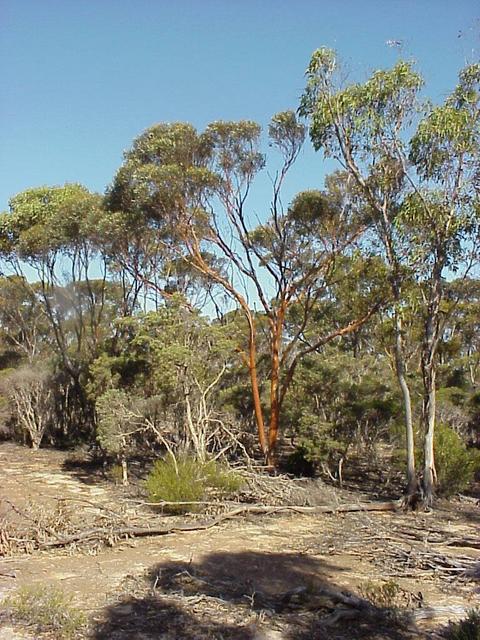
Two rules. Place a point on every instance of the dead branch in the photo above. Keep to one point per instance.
(105, 533)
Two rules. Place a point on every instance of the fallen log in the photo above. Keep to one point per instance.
(106, 533)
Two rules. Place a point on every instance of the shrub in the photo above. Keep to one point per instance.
(468, 629)
(188, 480)
(317, 443)
(456, 464)
(384, 596)
(116, 474)
(221, 479)
(30, 393)
(117, 420)
(48, 609)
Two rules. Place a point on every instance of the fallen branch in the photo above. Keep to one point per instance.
(447, 612)
(6, 574)
(99, 507)
(138, 532)
(471, 543)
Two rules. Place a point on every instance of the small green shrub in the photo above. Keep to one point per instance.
(468, 629)
(115, 473)
(456, 464)
(384, 596)
(221, 478)
(188, 480)
(47, 608)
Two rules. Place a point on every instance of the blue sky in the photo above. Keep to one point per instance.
(81, 78)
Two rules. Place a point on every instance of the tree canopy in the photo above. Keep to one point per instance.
(168, 313)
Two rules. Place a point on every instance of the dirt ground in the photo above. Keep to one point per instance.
(257, 577)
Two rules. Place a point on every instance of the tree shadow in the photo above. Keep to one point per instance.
(375, 481)
(88, 471)
(245, 595)
(95, 469)
(469, 513)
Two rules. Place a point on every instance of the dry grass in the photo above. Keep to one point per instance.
(47, 609)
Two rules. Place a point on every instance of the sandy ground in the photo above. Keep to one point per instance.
(248, 563)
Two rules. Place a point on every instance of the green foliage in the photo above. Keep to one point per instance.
(115, 473)
(189, 480)
(468, 629)
(456, 465)
(172, 170)
(48, 609)
(47, 219)
(420, 190)
(170, 348)
(286, 133)
(450, 132)
(183, 482)
(365, 111)
(316, 442)
(235, 150)
(338, 401)
(117, 420)
(313, 211)
(175, 225)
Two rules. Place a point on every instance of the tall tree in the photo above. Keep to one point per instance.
(442, 214)
(363, 126)
(49, 230)
(366, 128)
(192, 190)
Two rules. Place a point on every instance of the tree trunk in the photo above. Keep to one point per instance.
(257, 405)
(430, 344)
(412, 487)
(276, 335)
(123, 462)
(429, 472)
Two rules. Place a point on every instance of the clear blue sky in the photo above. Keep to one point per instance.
(81, 78)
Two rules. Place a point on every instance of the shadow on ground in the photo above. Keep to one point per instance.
(94, 469)
(248, 596)
(90, 472)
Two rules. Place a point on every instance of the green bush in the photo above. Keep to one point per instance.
(316, 444)
(221, 479)
(456, 464)
(189, 480)
(468, 629)
(48, 609)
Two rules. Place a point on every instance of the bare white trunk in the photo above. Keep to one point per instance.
(430, 345)
(429, 472)
(124, 472)
(412, 483)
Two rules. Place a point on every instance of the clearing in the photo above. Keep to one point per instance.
(285, 576)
